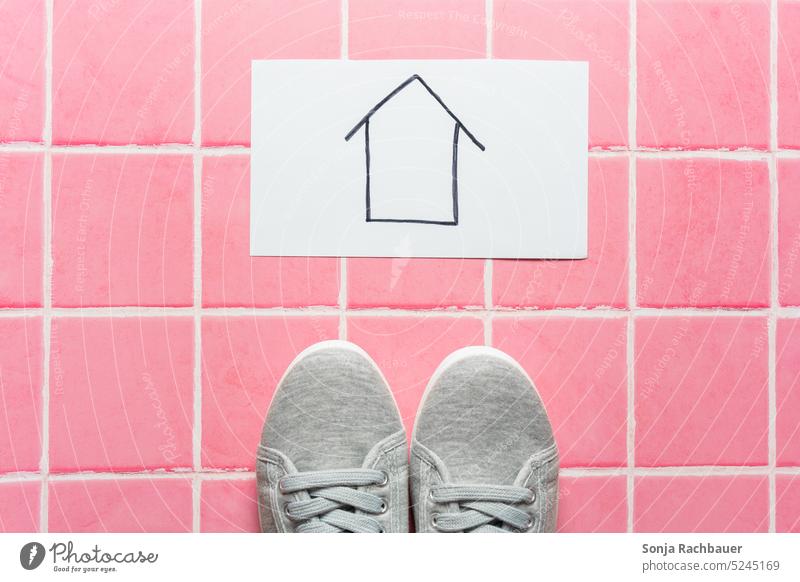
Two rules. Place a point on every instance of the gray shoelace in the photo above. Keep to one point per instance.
(333, 499)
(482, 508)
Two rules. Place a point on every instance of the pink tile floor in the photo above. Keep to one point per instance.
(141, 342)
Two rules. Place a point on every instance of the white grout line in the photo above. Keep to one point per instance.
(470, 312)
(345, 30)
(773, 76)
(220, 151)
(111, 476)
(772, 324)
(772, 414)
(522, 312)
(342, 300)
(488, 270)
(687, 471)
(44, 466)
(227, 475)
(488, 265)
(197, 162)
(748, 155)
(701, 311)
(198, 84)
(630, 435)
(188, 148)
(632, 77)
(630, 352)
(19, 477)
(232, 474)
(342, 309)
(48, 78)
(22, 312)
(488, 328)
(593, 472)
(232, 150)
(489, 15)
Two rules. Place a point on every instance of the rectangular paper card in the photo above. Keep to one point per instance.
(419, 159)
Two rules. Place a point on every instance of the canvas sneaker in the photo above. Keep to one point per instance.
(333, 454)
(483, 457)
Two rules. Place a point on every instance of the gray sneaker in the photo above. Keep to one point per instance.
(483, 457)
(333, 454)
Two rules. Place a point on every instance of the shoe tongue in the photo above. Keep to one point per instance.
(342, 457)
(334, 457)
(382, 448)
(318, 455)
(493, 470)
(456, 470)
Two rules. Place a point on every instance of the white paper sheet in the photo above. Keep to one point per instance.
(419, 158)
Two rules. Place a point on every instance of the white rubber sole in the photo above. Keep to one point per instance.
(464, 354)
(339, 345)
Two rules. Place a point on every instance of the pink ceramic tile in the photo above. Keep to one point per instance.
(20, 394)
(702, 233)
(592, 504)
(19, 506)
(600, 280)
(21, 230)
(789, 232)
(243, 360)
(417, 29)
(22, 44)
(575, 30)
(702, 74)
(123, 505)
(787, 505)
(236, 33)
(231, 277)
(409, 349)
(415, 283)
(701, 391)
(123, 72)
(229, 506)
(788, 74)
(787, 387)
(578, 366)
(121, 393)
(701, 504)
(122, 230)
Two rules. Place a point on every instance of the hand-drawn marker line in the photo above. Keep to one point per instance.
(459, 127)
(366, 155)
(454, 171)
(399, 88)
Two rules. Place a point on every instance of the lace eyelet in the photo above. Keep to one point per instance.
(527, 527)
(287, 513)
(381, 530)
(385, 479)
(435, 521)
(431, 496)
(281, 486)
(384, 506)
